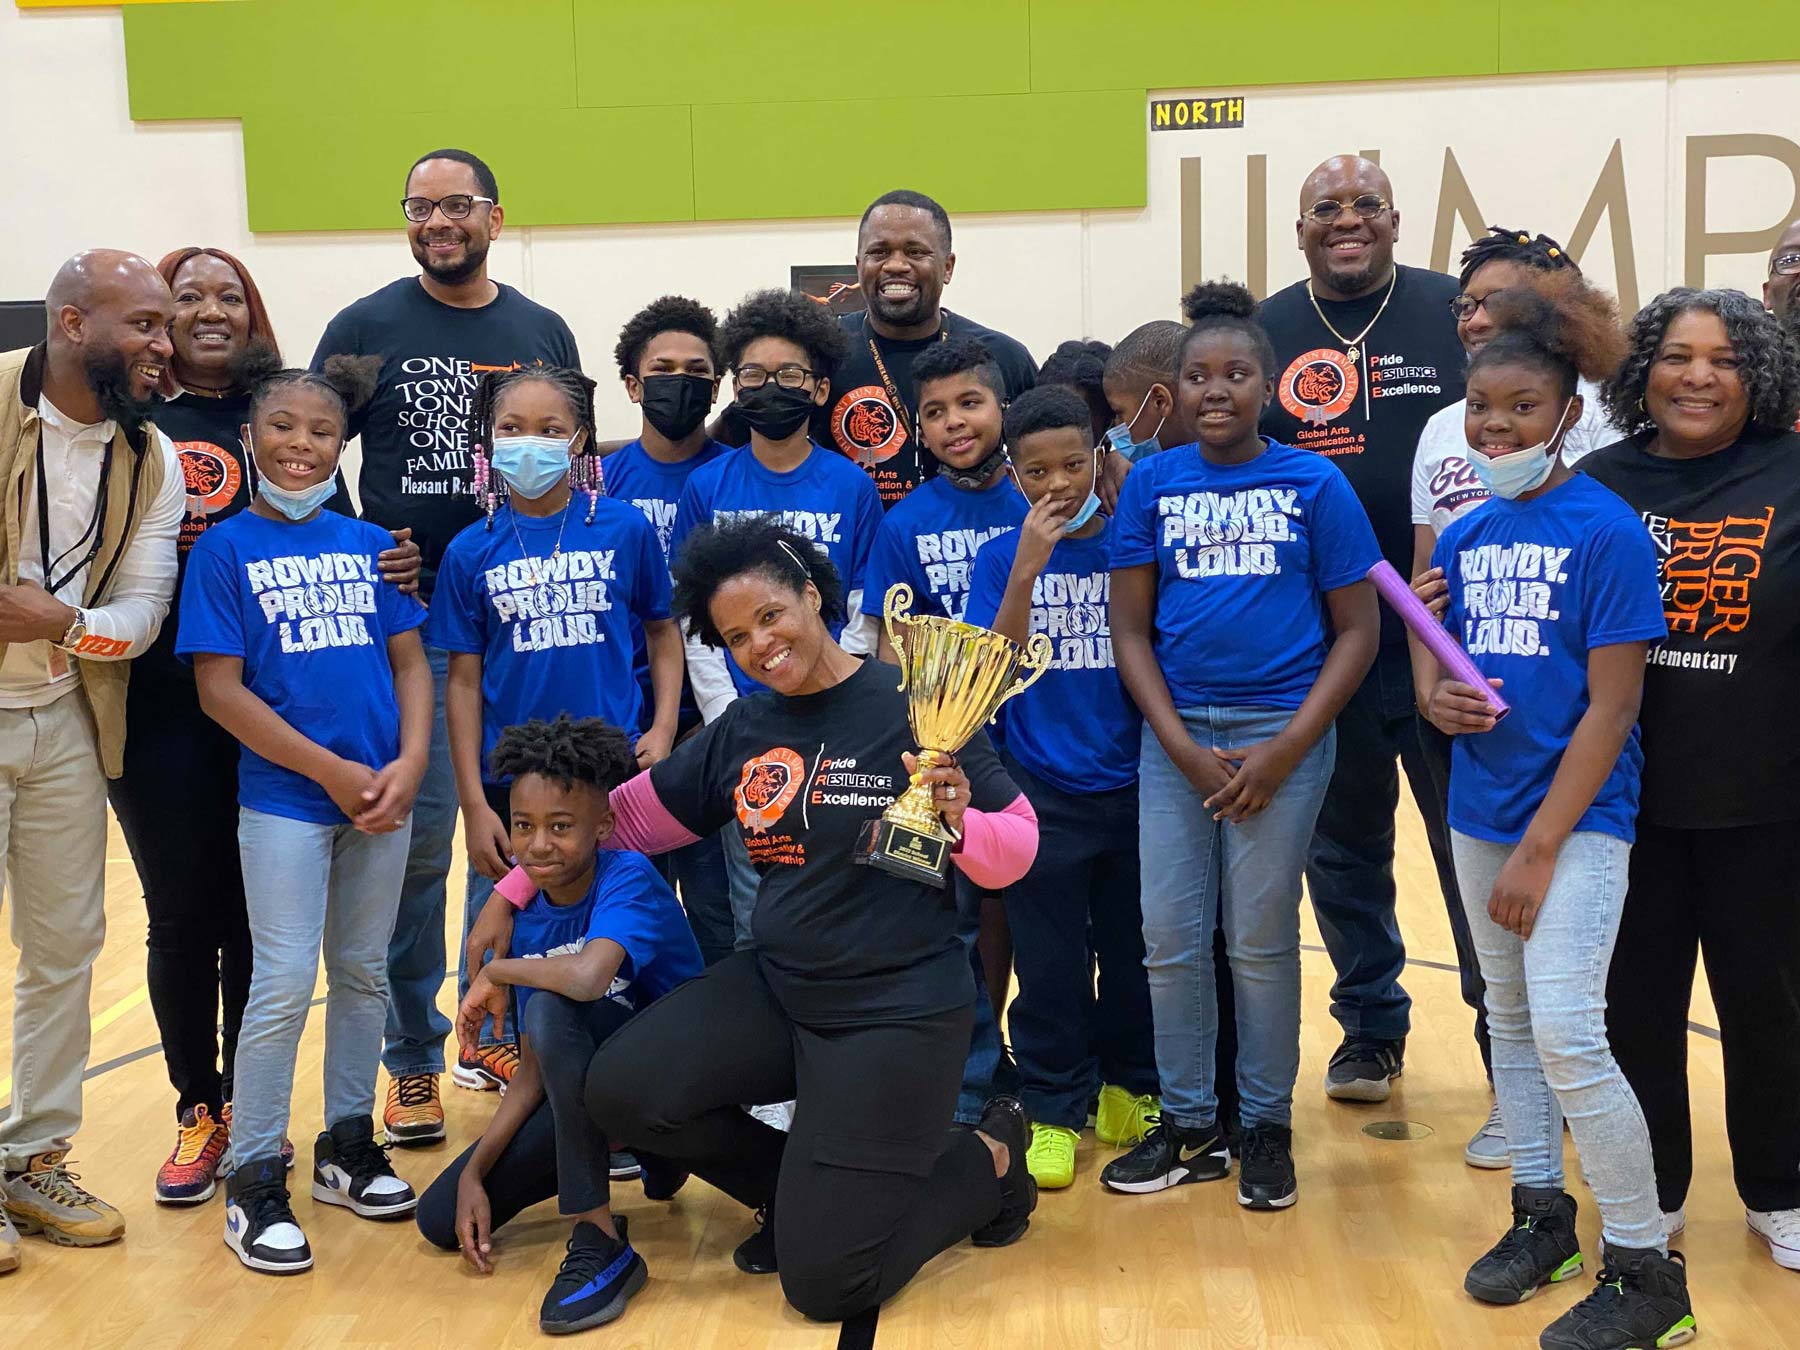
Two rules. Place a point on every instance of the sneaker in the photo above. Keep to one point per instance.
(1540, 1248)
(1363, 1069)
(598, 1277)
(1674, 1221)
(1004, 1119)
(189, 1175)
(776, 1115)
(486, 1069)
(1641, 1301)
(225, 1163)
(1171, 1155)
(414, 1114)
(1266, 1168)
(1780, 1228)
(622, 1165)
(352, 1170)
(44, 1199)
(1051, 1157)
(1487, 1149)
(755, 1255)
(662, 1179)
(1122, 1119)
(9, 1244)
(259, 1222)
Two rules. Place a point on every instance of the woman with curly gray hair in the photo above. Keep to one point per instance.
(1708, 394)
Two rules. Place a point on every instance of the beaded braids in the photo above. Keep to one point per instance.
(1500, 244)
(584, 469)
(567, 751)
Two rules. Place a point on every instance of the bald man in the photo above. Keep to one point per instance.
(1781, 291)
(92, 498)
(1366, 352)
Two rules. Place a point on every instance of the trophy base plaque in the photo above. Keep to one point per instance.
(906, 851)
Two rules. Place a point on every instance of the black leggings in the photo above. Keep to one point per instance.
(177, 807)
(872, 1182)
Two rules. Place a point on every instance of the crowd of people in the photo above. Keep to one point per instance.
(651, 681)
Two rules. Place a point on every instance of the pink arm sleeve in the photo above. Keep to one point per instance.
(640, 823)
(998, 847)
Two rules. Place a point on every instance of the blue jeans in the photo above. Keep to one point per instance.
(1198, 872)
(1546, 1007)
(310, 887)
(416, 965)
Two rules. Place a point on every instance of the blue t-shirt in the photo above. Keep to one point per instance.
(311, 617)
(553, 629)
(1534, 587)
(827, 499)
(929, 541)
(1244, 554)
(628, 903)
(1075, 728)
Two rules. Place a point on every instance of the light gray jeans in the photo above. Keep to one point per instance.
(1546, 1005)
(310, 887)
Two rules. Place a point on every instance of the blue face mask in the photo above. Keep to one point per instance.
(1119, 437)
(1517, 472)
(1091, 505)
(531, 465)
(296, 505)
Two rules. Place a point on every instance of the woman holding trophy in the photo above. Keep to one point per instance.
(855, 999)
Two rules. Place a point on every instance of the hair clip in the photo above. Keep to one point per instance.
(796, 557)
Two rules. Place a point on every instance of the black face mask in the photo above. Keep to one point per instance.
(976, 475)
(775, 412)
(676, 404)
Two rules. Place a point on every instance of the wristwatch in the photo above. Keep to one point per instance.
(76, 632)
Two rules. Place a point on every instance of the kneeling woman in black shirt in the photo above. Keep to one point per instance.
(856, 998)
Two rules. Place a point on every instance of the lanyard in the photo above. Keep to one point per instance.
(91, 536)
(902, 414)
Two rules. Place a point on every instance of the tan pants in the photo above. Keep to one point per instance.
(53, 837)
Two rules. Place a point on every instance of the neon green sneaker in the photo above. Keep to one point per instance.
(1051, 1157)
(1123, 1119)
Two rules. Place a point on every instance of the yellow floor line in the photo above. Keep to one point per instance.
(135, 999)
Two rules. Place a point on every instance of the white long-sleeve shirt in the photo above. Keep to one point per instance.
(143, 582)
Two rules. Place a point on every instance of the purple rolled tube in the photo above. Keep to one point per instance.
(1434, 635)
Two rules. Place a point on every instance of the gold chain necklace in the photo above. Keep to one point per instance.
(1352, 348)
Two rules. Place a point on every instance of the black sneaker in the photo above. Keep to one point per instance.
(661, 1178)
(1640, 1303)
(622, 1165)
(1170, 1155)
(1540, 1248)
(1004, 1119)
(755, 1255)
(1364, 1068)
(260, 1227)
(352, 1170)
(598, 1277)
(1266, 1167)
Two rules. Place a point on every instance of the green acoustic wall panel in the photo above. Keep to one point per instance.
(1554, 35)
(1026, 152)
(800, 50)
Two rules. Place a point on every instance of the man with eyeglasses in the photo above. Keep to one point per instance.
(1781, 291)
(437, 333)
(1366, 351)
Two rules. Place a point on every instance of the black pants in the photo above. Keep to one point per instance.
(558, 1151)
(1732, 896)
(177, 807)
(1077, 908)
(872, 1182)
(697, 873)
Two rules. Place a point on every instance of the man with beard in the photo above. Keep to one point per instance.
(1782, 288)
(1366, 352)
(93, 499)
(436, 333)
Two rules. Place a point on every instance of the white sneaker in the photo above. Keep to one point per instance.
(1487, 1148)
(1674, 1220)
(776, 1115)
(260, 1227)
(1780, 1228)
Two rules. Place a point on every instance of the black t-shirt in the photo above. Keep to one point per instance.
(1721, 743)
(1367, 414)
(859, 419)
(799, 778)
(415, 431)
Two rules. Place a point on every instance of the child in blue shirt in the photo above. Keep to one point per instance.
(1071, 745)
(602, 939)
(1242, 621)
(1554, 590)
(929, 539)
(316, 667)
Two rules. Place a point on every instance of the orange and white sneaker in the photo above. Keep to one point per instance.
(190, 1175)
(45, 1199)
(414, 1113)
(486, 1068)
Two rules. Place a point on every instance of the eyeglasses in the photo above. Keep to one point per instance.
(1464, 306)
(1787, 265)
(787, 377)
(1367, 206)
(455, 207)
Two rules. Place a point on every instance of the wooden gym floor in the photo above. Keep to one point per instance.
(1372, 1257)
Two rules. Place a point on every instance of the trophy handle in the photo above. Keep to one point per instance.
(1034, 663)
(896, 606)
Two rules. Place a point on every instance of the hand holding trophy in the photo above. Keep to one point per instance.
(956, 676)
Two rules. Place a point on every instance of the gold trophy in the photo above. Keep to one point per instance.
(956, 677)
